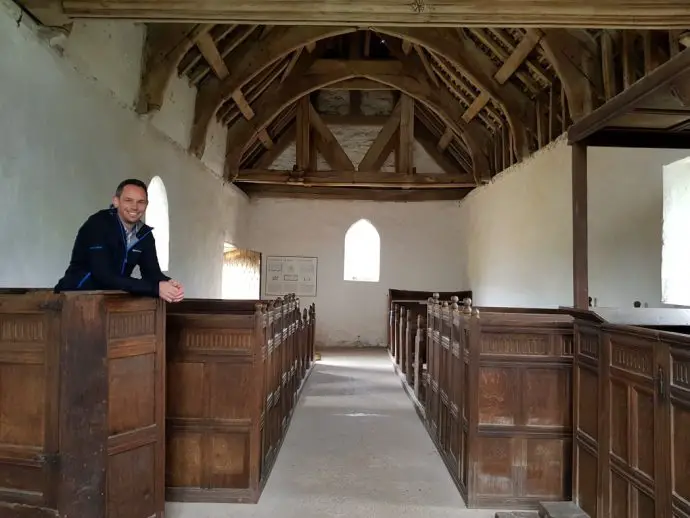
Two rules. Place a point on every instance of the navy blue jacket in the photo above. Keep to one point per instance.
(101, 259)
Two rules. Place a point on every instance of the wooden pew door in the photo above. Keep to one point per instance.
(632, 416)
(136, 408)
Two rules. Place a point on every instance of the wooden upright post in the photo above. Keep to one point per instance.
(580, 249)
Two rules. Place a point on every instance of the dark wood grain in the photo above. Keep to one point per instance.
(234, 373)
(81, 393)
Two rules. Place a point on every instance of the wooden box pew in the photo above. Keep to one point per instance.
(409, 347)
(420, 359)
(632, 413)
(405, 334)
(499, 402)
(233, 380)
(82, 400)
(397, 296)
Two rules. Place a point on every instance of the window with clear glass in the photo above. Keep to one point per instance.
(157, 217)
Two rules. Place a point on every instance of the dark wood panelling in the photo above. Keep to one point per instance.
(82, 400)
(498, 401)
(632, 397)
(235, 369)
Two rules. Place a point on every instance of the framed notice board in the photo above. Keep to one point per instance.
(291, 274)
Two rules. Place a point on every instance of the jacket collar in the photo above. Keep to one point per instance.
(140, 227)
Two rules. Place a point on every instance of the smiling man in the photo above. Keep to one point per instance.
(111, 243)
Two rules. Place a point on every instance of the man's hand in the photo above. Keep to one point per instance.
(179, 286)
(170, 291)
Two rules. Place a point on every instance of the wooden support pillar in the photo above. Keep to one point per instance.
(580, 251)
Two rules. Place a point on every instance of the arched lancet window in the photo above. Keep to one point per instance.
(362, 252)
(157, 217)
(675, 248)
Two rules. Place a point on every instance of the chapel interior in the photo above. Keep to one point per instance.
(435, 257)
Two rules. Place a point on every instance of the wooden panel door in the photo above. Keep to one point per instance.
(136, 408)
(587, 404)
(29, 391)
(631, 444)
(678, 401)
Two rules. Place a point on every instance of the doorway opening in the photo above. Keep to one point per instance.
(241, 273)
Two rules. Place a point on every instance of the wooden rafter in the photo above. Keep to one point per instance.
(477, 99)
(477, 68)
(247, 63)
(163, 49)
(414, 85)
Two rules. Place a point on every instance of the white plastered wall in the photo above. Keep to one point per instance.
(69, 134)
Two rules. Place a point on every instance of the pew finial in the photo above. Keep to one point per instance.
(467, 305)
(454, 302)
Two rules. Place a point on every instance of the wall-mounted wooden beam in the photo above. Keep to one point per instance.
(521, 13)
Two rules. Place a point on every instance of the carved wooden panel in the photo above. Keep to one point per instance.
(214, 402)
(631, 435)
(27, 428)
(81, 400)
(509, 398)
(498, 396)
(679, 431)
(136, 409)
(586, 412)
(232, 383)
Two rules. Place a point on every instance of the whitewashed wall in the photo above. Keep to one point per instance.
(420, 250)
(69, 135)
(518, 229)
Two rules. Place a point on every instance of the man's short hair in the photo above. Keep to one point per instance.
(130, 181)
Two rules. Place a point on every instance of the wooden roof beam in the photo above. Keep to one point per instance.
(354, 193)
(578, 69)
(677, 68)
(356, 179)
(462, 52)
(522, 13)
(164, 47)
(248, 60)
(413, 83)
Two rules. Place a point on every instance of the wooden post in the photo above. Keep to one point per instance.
(580, 266)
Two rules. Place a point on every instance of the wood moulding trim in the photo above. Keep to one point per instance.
(522, 13)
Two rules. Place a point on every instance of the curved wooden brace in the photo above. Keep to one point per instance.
(565, 52)
(164, 47)
(478, 68)
(259, 55)
(276, 98)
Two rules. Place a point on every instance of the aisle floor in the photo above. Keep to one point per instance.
(355, 448)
